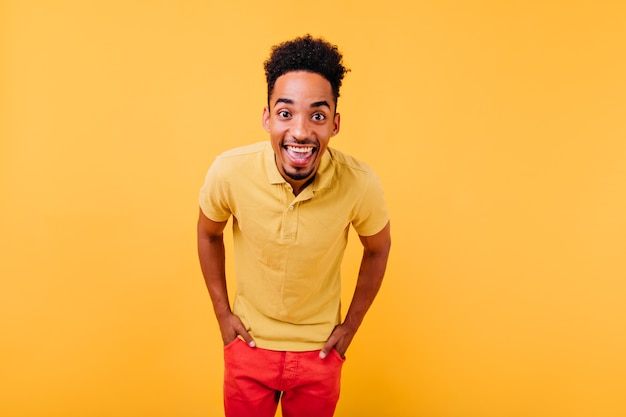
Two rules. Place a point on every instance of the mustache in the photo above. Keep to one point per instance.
(306, 142)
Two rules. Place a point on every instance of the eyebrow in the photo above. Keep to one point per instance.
(313, 105)
(320, 104)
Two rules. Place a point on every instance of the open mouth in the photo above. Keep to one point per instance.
(300, 155)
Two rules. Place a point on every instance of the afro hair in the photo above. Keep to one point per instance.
(305, 54)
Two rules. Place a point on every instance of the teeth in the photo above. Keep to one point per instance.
(299, 149)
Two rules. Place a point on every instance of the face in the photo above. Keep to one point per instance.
(300, 119)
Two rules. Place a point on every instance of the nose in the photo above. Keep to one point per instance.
(300, 128)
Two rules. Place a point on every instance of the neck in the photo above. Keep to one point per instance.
(298, 186)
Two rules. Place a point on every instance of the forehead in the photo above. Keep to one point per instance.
(302, 87)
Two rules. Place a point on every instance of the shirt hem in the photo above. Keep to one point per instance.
(288, 346)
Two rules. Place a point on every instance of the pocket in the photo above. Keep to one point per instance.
(232, 343)
(338, 356)
(232, 352)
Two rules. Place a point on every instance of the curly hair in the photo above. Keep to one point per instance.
(306, 54)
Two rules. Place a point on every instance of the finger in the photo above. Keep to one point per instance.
(249, 340)
(241, 330)
(330, 343)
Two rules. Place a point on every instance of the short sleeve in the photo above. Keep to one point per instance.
(372, 214)
(214, 194)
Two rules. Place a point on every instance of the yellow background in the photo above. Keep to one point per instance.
(498, 130)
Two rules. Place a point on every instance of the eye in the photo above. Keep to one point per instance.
(284, 114)
(319, 117)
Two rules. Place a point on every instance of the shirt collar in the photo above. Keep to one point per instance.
(270, 166)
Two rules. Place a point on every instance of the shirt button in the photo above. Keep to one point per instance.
(291, 208)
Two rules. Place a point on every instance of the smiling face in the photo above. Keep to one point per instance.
(300, 119)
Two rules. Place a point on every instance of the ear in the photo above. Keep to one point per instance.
(336, 123)
(266, 119)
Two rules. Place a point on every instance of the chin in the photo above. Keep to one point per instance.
(298, 176)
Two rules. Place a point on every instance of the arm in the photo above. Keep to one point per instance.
(373, 264)
(212, 261)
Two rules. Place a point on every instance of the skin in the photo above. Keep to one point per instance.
(301, 115)
(300, 120)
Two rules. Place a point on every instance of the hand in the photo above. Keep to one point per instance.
(339, 339)
(231, 326)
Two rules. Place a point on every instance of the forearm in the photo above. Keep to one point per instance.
(371, 273)
(212, 262)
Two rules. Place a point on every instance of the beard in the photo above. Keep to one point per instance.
(298, 174)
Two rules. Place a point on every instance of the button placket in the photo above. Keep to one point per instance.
(290, 222)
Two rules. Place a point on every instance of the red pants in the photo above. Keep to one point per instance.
(255, 379)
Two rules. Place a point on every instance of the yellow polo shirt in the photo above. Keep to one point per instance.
(288, 249)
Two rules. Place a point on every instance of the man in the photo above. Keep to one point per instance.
(292, 201)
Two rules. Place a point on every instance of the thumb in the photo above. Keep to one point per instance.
(327, 348)
(246, 337)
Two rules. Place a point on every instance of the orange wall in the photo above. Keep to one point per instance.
(498, 131)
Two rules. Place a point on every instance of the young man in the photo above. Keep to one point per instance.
(292, 201)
